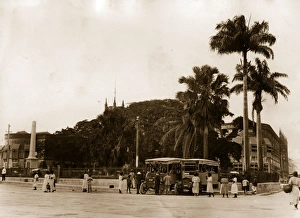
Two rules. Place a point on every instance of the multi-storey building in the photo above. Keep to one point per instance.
(16, 149)
(274, 151)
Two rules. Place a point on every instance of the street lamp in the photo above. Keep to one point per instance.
(137, 143)
(8, 146)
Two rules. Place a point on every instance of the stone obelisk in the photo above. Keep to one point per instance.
(32, 161)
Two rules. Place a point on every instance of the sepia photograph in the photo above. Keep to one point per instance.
(149, 108)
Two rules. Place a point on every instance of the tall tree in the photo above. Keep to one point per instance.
(236, 36)
(205, 101)
(261, 80)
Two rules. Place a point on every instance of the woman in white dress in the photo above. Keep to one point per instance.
(234, 187)
(52, 181)
(295, 182)
(35, 180)
(196, 184)
(121, 178)
(209, 187)
(85, 182)
(46, 181)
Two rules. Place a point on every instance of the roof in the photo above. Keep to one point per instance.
(202, 161)
(164, 160)
(167, 160)
(267, 141)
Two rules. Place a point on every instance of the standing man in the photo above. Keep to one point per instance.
(3, 173)
(245, 184)
(138, 179)
(157, 182)
(167, 181)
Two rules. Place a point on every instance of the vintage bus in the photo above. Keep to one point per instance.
(163, 166)
(181, 172)
(202, 166)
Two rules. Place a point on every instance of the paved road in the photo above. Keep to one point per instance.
(17, 200)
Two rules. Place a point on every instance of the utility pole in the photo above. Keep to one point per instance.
(137, 143)
(8, 146)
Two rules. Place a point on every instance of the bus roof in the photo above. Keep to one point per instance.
(165, 160)
(201, 161)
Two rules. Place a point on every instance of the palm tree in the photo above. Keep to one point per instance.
(260, 80)
(204, 99)
(184, 133)
(235, 36)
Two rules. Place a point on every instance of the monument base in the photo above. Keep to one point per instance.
(31, 163)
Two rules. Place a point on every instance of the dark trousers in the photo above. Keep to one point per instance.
(138, 186)
(3, 177)
(157, 189)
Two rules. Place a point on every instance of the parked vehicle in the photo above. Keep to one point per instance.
(163, 166)
(202, 166)
(181, 172)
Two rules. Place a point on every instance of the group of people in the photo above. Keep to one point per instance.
(224, 188)
(132, 181)
(49, 184)
(196, 185)
(87, 182)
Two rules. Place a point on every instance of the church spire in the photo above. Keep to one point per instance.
(115, 104)
(106, 106)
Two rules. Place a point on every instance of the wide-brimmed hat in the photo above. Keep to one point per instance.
(139, 173)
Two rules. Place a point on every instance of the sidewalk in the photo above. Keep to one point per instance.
(100, 185)
(75, 185)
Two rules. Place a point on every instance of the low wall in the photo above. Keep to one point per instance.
(102, 183)
(108, 183)
(268, 187)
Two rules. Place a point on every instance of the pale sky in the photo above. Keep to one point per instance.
(60, 59)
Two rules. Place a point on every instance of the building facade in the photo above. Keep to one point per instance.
(274, 151)
(16, 149)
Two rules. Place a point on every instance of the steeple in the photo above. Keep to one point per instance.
(106, 106)
(115, 104)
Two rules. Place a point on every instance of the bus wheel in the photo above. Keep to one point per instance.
(143, 189)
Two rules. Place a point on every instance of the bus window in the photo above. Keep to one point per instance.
(189, 168)
(202, 168)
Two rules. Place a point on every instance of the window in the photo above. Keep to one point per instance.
(253, 148)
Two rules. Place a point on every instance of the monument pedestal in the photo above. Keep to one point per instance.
(32, 163)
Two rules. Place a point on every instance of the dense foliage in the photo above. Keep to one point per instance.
(109, 140)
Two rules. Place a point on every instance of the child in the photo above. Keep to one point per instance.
(89, 181)
(129, 184)
(48, 187)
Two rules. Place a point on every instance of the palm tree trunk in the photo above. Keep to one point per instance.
(205, 142)
(246, 165)
(195, 144)
(259, 142)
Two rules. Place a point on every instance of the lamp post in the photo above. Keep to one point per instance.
(8, 146)
(137, 143)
